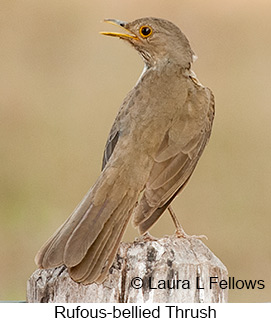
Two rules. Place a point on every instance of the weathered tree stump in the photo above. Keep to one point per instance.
(170, 269)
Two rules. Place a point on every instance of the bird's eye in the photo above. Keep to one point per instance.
(145, 31)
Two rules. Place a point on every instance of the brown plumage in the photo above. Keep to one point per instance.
(154, 145)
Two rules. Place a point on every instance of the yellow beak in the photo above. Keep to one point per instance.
(121, 24)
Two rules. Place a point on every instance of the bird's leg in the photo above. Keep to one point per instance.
(179, 229)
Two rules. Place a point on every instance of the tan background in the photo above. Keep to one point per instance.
(61, 84)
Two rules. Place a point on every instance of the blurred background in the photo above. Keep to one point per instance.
(61, 84)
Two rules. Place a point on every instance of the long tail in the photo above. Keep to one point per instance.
(89, 239)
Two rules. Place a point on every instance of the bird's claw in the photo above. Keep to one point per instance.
(147, 237)
(181, 234)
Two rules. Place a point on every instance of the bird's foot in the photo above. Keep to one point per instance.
(147, 237)
(179, 229)
(180, 233)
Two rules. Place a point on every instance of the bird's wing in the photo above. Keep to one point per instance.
(111, 143)
(177, 156)
(114, 133)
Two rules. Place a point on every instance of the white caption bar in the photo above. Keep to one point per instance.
(11, 312)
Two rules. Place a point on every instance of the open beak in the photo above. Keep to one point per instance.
(121, 24)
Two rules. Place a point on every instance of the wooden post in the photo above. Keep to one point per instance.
(168, 270)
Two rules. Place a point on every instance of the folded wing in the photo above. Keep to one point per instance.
(177, 156)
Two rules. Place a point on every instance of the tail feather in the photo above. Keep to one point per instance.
(105, 270)
(103, 248)
(98, 270)
(88, 240)
(85, 234)
(51, 253)
(81, 272)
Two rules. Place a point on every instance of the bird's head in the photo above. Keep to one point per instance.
(157, 40)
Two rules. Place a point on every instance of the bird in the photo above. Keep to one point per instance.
(154, 145)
